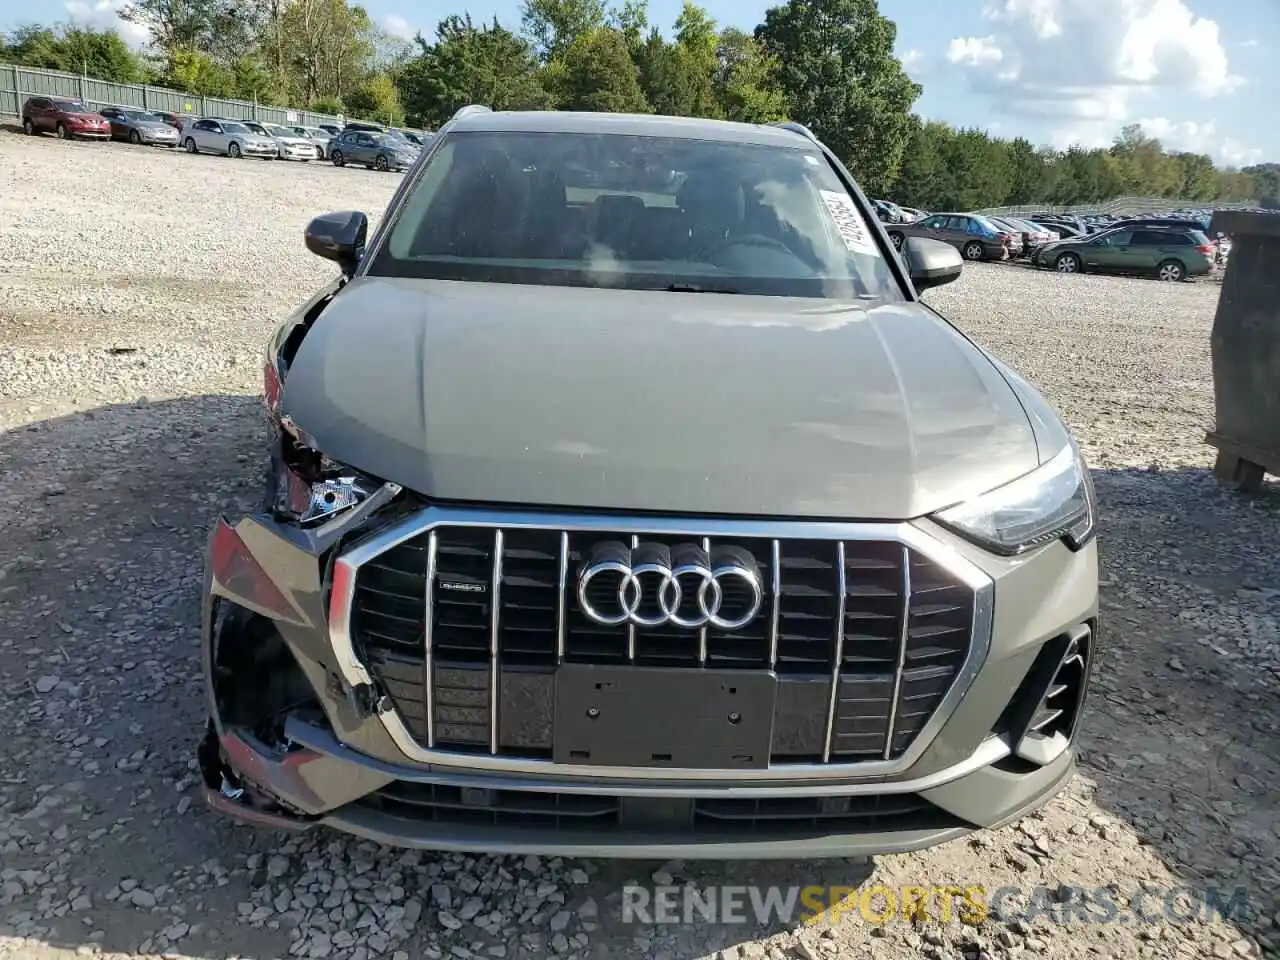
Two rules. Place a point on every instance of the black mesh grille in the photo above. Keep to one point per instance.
(906, 630)
(569, 812)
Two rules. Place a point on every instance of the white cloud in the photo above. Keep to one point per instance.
(1041, 15)
(974, 51)
(1086, 62)
(105, 15)
(1248, 43)
(398, 26)
(1200, 138)
(912, 58)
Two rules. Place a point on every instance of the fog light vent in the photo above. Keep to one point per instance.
(1052, 724)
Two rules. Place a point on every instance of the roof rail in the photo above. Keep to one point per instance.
(794, 127)
(470, 109)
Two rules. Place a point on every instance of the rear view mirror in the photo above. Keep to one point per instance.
(339, 237)
(931, 263)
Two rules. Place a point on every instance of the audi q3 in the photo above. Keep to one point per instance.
(625, 499)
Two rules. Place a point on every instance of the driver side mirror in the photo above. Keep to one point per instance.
(339, 237)
(931, 263)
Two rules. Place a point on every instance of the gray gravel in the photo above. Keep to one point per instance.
(136, 291)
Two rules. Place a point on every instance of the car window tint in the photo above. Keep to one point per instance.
(935, 223)
(636, 212)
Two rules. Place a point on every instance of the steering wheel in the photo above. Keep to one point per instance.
(747, 240)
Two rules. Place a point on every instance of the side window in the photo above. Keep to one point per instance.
(348, 138)
(1148, 238)
(1121, 238)
(934, 223)
(215, 127)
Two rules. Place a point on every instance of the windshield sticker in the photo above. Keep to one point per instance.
(853, 230)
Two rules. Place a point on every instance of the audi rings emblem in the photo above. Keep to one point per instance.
(655, 585)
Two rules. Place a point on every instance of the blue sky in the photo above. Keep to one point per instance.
(1200, 75)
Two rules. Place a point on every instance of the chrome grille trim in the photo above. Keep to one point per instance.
(913, 535)
(495, 602)
(775, 560)
(842, 588)
(904, 634)
(429, 606)
(702, 631)
(631, 627)
(560, 608)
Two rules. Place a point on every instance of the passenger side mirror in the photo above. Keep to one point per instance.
(339, 237)
(931, 263)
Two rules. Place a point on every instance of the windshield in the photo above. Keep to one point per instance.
(649, 213)
(278, 131)
(143, 116)
(70, 106)
(234, 128)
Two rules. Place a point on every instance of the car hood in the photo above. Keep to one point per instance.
(294, 141)
(655, 401)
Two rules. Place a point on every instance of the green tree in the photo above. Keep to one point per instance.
(598, 74)
(632, 21)
(841, 79)
(215, 27)
(923, 178)
(466, 64)
(94, 53)
(1266, 184)
(1026, 171)
(555, 25)
(745, 80)
(376, 99)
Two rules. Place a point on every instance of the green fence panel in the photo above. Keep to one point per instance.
(17, 83)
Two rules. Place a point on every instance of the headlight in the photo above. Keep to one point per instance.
(1053, 502)
(332, 489)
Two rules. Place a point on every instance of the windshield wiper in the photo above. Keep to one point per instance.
(696, 288)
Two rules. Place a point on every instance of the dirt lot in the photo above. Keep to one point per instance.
(136, 291)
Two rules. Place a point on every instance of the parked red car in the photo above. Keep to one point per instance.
(175, 120)
(67, 118)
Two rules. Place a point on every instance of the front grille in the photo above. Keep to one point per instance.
(735, 817)
(463, 628)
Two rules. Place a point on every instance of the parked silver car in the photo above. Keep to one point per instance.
(318, 136)
(139, 126)
(289, 145)
(229, 138)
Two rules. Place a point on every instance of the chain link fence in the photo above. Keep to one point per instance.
(18, 83)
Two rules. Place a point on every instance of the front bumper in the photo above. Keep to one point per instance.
(336, 761)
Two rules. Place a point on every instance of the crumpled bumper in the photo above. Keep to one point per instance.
(331, 761)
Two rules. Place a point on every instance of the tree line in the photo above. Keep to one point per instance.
(826, 63)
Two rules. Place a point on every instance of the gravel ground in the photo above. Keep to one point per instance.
(136, 292)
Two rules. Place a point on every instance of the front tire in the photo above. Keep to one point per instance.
(972, 250)
(337, 158)
(233, 151)
(28, 127)
(62, 133)
(381, 164)
(1067, 263)
(1171, 271)
(135, 138)
(190, 145)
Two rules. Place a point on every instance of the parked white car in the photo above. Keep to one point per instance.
(319, 136)
(229, 138)
(289, 145)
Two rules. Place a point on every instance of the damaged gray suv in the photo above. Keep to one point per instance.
(625, 500)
